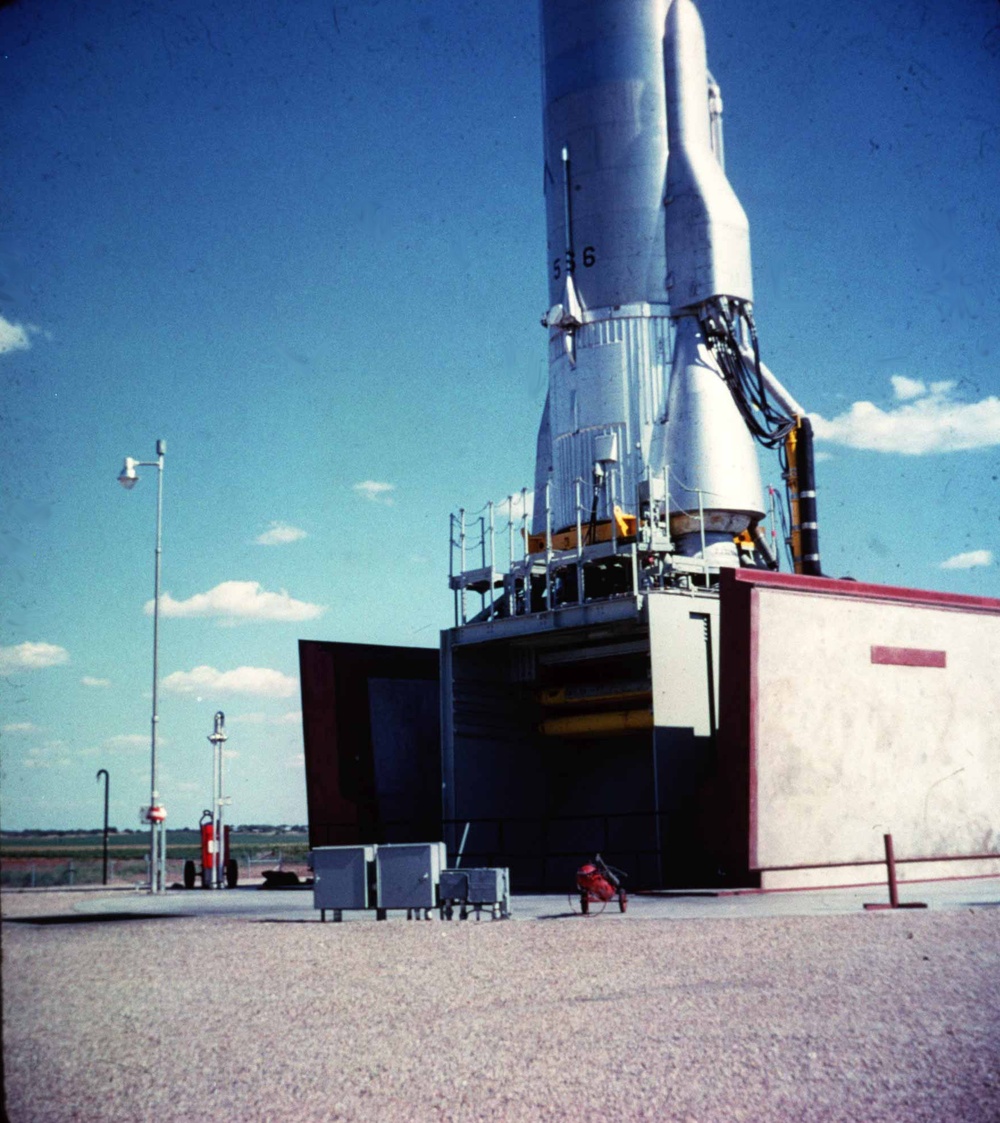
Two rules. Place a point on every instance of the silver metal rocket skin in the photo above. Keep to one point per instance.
(649, 251)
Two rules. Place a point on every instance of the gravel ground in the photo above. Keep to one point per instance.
(863, 1017)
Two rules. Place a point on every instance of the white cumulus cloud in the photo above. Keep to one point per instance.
(259, 681)
(516, 507)
(13, 337)
(969, 560)
(278, 534)
(235, 601)
(52, 754)
(928, 419)
(19, 727)
(89, 680)
(130, 741)
(905, 388)
(293, 717)
(376, 492)
(32, 656)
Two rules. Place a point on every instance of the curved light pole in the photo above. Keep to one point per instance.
(156, 814)
(107, 788)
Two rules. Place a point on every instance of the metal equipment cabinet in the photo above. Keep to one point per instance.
(342, 877)
(408, 874)
(478, 888)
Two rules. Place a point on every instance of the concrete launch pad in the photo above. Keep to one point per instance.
(249, 904)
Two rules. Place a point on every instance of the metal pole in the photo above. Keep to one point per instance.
(510, 533)
(461, 845)
(493, 559)
(213, 879)
(218, 739)
(890, 865)
(548, 546)
(509, 581)
(609, 496)
(461, 555)
(107, 784)
(157, 840)
(701, 527)
(220, 842)
(482, 555)
(524, 522)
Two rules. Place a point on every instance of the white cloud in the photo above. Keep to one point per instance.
(50, 755)
(905, 388)
(376, 492)
(516, 506)
(929, 420)
(293, 717)
(260, 681)
(13, 337)
(130, 741)
(19, 727)
(89, 680)
(278, 534)
(32, 656)
(233, 601)
(970, 560)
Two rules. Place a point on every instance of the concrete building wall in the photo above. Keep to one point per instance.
(683, 631)
(872, 711)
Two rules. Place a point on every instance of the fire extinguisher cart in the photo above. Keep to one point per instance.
(208, 863)
(218, 868)
(597, 883)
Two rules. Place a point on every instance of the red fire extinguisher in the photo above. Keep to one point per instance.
(229, 864)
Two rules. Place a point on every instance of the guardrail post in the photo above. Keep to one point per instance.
(890, 865)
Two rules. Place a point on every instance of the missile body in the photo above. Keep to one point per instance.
(642, 246)
(608, 319)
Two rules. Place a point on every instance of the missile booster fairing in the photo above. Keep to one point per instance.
(650, 283)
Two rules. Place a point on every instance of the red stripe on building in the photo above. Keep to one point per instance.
(909, 656)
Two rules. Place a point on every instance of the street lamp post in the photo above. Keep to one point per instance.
(107, 788)
(218, 739)
(128, 478)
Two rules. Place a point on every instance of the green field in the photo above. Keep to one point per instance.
(77, 859)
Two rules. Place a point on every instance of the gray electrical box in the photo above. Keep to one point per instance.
(341, 876)
(408, 874)
(477, 887)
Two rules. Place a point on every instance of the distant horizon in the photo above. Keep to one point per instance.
(263, 828)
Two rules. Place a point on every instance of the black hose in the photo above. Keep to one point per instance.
(767, 423)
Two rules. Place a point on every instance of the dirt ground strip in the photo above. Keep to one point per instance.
(856, 1018)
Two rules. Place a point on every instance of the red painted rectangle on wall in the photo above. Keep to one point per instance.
(909, 656)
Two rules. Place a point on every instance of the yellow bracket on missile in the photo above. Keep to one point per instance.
(625, 528)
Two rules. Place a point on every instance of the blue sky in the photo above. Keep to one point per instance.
(304, 243)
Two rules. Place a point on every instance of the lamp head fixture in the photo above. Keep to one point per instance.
(128, 477)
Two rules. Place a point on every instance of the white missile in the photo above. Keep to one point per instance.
(650, 284)
(608, 313)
